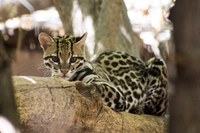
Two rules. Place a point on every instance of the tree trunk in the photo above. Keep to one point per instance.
(91, 8)
(64, 8)
(50, 105)
(114, 31)
(111, 24)
(185, 103)
(7, 100)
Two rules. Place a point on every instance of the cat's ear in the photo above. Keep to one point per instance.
(45, 40)
(80, 41)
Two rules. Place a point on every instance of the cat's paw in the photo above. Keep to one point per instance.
(88, 90)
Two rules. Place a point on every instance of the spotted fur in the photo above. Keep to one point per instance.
(125, 82)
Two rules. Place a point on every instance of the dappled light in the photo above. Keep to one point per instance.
(6, 126)
(83, 24)
(149, 20)
(29, 79)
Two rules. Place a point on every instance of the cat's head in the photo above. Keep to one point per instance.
(62, 54)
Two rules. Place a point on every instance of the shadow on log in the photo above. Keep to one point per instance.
(49, 105)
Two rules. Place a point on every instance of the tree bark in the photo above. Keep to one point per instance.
(112, 27)
(91, 8)
(7, 101)
(185, 103)
(114, 31)
(49, 105)
(64, 8)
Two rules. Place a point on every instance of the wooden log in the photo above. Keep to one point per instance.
(49, 105)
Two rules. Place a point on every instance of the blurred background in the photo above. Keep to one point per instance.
(22, 20)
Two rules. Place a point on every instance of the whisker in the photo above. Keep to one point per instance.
(47, 73)
(41, 67)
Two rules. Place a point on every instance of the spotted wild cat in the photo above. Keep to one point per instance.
(125, 82)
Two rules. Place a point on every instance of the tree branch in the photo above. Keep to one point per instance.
(55, 105)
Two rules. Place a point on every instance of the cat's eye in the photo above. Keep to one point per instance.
(73, 59)
(55, 59)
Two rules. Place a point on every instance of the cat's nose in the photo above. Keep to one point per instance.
(64, 71)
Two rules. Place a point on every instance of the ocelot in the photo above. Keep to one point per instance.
(125, 82)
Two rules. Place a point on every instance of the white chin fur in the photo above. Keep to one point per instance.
(59, 74)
